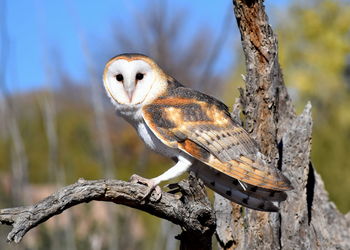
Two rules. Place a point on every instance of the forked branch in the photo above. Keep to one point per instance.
(188, 208)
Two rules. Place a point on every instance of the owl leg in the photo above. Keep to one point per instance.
(151, 186)
(179, 168)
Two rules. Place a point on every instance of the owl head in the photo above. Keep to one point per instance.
(133, 79)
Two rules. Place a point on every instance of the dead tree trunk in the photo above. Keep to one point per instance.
(307, 220)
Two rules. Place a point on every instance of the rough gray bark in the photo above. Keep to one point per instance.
(307, 220)
(189, 207)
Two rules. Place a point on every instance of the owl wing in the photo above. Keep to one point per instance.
(202, 127)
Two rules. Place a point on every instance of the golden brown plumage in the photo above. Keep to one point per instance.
(194, 128)
(196, 124)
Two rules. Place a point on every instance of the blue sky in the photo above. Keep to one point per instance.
(35, 28)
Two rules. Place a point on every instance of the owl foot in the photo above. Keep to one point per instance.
(152, 187)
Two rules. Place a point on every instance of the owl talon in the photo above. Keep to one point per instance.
(151, 187)
(157, 193)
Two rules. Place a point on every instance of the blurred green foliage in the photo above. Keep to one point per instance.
(78, 157)
(314, 55)
(77, 147)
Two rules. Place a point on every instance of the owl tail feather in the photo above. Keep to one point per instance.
(242, 193)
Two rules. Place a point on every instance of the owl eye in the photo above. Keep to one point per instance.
(139, 76)
(119, 77)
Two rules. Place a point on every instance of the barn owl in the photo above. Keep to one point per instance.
(195, 130)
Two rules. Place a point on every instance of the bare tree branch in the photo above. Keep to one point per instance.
(190, 208)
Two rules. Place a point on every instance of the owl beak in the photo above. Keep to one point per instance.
(129, 87)
(130, 93)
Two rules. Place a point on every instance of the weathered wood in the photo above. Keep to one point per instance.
(188, 208)
(307, 220)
